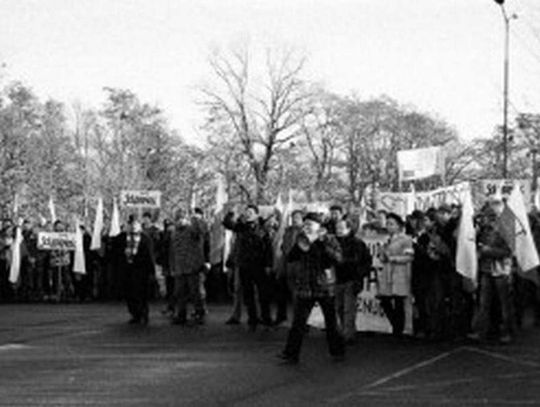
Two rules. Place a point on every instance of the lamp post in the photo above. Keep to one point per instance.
(507, 18)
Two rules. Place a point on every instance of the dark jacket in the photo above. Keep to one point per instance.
(135, 276)
(314, 278)
(253, 245)
(356, 262)
(495, 248)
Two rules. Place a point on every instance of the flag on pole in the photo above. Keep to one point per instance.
(466, 256)
(524, 248)
(15, 267)
(220, 239)
(98, 226)
(16, 206)
(52, 210)
(537, 199)
(79, 263)
(115, 221)
(221, 196)
(278, 237)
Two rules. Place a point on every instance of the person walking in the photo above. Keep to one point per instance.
(136, 267)
(254, 261)
(318, 253)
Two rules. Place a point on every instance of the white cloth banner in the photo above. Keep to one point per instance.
(98, 226)
(15, 266)
(115, 221)
(403, 203)
(502, 188)
(525, 252)
(420, 163)
(466, 256)
(79, 265)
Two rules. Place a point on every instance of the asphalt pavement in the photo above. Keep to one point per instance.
(87, 355)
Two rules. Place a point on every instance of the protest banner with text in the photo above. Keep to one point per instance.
(141, 199)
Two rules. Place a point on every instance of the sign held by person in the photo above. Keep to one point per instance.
(420, 163)
(56, 241)
(141, 199)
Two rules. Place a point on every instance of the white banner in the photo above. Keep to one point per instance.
(56, 241)
(502, 188)
(141, 199)
(420, 163)
(403, 203)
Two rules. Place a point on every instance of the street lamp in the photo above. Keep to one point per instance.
(507, 20)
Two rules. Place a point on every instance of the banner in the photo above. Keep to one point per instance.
(466, 256)
(15, 266)
(141, 199)
(56, 241)
(115, 221)
(98, 227)
(79, 264)
(403, 203)
(420, 163)
(503, 188)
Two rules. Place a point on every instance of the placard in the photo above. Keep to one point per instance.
(141, 199)
(56, 241)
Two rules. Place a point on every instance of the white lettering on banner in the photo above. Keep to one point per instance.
(56, 241)
(141, 199)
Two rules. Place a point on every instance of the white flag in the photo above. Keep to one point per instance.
(526, 254)
(221, 196)
(98, 226)
(52, 210)
(466, 256)
(15, 267)
(537, 199)
(78, 264)
(115, 221)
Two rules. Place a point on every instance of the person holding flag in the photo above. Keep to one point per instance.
(495, 267)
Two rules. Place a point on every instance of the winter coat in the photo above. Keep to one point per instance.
(186, 250)
(135, 276)
(357, 261)
(495, 249)
(316, 273)
(395, 277)
(253, 245)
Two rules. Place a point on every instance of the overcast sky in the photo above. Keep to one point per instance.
(443, 56)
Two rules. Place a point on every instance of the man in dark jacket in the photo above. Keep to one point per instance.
(494, 268)
(350, 273)
(137, 266)
(315, 283)
(254, 262)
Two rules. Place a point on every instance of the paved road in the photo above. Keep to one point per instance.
(86, 355)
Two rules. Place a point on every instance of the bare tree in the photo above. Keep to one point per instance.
(262, 113)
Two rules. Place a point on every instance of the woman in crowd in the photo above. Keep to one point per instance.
(395, 279)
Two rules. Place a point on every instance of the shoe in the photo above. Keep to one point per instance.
(338, 358)
(505, 339)
(475, 336)
(286, 359)
(178, 321)
(232, 321)
(134, 321)
(350, 341)
(252, 327)
(280, 321)
(144, 320)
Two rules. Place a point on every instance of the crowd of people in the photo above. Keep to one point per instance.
(315, 259)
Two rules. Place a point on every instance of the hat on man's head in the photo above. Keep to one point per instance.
(313, 216)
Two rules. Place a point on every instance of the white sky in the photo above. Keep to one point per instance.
(443, 56)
